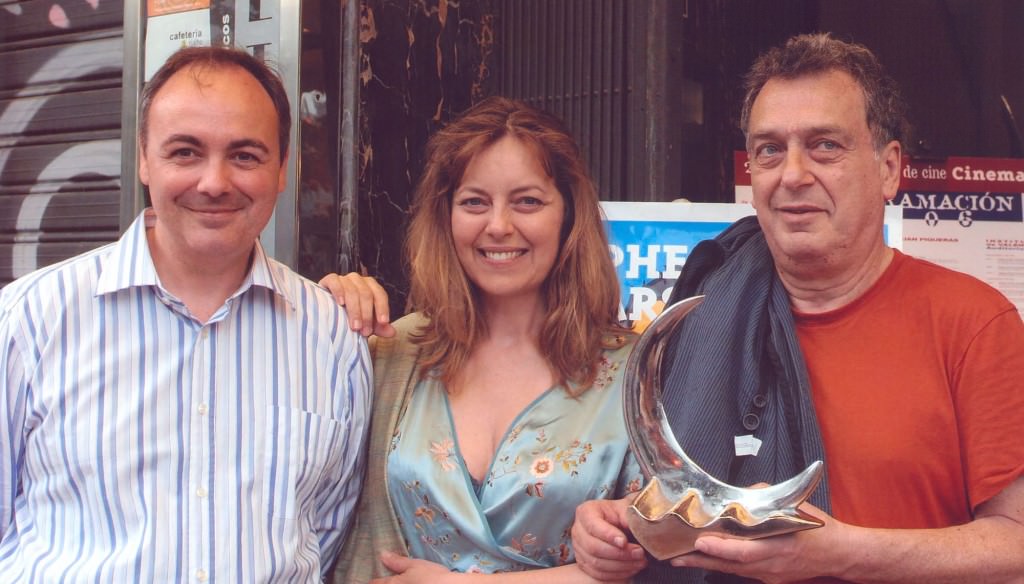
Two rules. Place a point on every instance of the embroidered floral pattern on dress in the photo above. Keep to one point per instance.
(427, 514)
(574, 456)
(542, 467)
(561, 554)
(505, 465)
(442, 452)
(535, 489)
(606, 369)
(526, 544)
(514, 433)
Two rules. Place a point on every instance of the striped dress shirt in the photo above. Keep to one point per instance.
(140, 445)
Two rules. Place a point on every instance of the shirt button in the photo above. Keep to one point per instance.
(201, 575)
(202, 409)
(751, 422)
(201, 493)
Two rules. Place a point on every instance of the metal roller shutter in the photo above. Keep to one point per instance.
(60, 130)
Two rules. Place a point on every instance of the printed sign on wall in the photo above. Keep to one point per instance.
(173, 25)
(968, 214)
(650, 243)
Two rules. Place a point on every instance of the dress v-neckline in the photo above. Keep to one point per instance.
(470, 479)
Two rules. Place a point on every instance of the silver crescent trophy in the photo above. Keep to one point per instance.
(681, 500)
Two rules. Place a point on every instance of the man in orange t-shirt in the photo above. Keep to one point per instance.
(916, 372)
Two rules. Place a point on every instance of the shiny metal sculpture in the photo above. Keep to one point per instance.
(681, 500)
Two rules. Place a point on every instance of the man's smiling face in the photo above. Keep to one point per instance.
(212, 163)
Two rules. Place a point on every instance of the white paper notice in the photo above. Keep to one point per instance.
(167, 33)
(747, 445)
(967, 214)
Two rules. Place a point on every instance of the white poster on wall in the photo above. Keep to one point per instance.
(968, 214)
(173, 25)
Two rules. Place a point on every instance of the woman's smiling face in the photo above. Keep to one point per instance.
(507, 218)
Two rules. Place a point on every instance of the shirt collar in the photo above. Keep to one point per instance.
(266, 273)
(130, 264)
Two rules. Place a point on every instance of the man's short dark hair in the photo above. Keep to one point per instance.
(810, 54)
(215, 58)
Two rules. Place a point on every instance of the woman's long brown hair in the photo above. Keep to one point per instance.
(581, 294)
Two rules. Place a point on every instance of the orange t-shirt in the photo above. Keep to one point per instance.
(919, 391)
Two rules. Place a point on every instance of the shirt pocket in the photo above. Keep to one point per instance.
(300, 447)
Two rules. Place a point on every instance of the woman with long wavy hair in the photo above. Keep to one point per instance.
(497, 406)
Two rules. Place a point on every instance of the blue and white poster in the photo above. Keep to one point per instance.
(650, 243)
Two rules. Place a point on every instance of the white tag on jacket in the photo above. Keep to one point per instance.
(747, 445)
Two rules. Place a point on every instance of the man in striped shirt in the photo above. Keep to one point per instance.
(177, 406)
